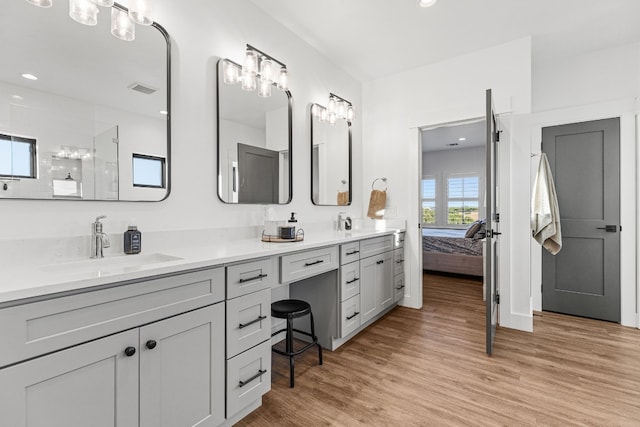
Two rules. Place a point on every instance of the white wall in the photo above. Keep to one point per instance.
(448, 91)
(444, 163)
(202, 33)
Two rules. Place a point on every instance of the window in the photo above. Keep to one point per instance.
(429, 201)
(148, 171)
(463, 193)
(17, 157)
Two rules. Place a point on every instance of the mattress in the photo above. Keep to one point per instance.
(450, 241)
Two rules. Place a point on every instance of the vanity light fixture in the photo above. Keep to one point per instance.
(122, 20)
(41, 3)
(29, 76)
(337, 108)
(258, 71)
(462, 138)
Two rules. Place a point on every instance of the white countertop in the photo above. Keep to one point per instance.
(20, 283)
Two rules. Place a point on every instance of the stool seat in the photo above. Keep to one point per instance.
(290, 307)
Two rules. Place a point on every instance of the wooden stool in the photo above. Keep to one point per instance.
(291, 309)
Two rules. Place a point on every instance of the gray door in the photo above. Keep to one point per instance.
(492, 218)
(583, 279)
(258, 175)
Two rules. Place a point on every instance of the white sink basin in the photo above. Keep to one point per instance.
(109, 265)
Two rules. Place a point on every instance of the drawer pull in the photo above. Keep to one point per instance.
(257, 375)
(380, 262)
(400, 261)
(309, 264)
(353, 315)
(251, 279)
(399, 287)
(352, 253)
(244, 325)
(354, 280)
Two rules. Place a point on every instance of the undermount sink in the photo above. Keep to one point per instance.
(109, 265)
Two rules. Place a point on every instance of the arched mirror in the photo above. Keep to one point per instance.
(330, 159)
(84, 115)
(254, 143)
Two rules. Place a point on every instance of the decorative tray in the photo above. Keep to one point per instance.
(277, 239)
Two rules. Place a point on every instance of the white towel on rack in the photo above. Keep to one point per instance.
(545, 215)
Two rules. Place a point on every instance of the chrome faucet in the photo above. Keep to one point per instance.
(99, 240)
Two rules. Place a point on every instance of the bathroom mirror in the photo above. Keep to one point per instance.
(83, 115)
(330, 160)
(254, 144)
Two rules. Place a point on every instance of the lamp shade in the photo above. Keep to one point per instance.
(83, 11)
(41, 3)
(122, 26)
(141, 11)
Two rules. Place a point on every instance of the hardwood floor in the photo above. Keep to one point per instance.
(428, 367)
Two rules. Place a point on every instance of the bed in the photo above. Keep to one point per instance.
(448, 250)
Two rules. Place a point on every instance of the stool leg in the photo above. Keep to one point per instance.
(290, 349)
(315, 338)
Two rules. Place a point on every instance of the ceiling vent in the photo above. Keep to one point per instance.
(142, 88)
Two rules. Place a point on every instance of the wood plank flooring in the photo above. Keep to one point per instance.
(428, 367)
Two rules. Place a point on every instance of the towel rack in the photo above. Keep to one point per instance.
(379, 179)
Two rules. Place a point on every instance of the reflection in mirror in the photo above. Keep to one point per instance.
(76, 104)
(330, 159)
(254, 143)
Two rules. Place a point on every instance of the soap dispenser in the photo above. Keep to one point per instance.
(289, 231)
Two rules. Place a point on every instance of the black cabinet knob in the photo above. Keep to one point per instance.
(129, 351)
(151, 344)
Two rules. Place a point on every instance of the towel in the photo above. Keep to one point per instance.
(377, 202)
(343, 198)
(545, 215)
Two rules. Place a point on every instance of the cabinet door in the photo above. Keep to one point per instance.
(384, 281)
(182, 375)
(93, 384)
(368, 279)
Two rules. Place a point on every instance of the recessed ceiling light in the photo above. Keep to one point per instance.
(17, 97)
(427, 3)
(163, 112)
(462, 139)
(29, 76)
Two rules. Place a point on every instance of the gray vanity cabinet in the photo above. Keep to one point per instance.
(144, 354)
(167, 373)
(93, 384)
(376, 280)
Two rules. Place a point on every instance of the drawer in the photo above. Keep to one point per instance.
(349, 280)
(375, 246)
(248, 321)
(249, 277)
(301, 265)
(41, 327)
(349, 252)
(398, 261)
(248, 377)
(398, 240)
(350, 312)
(398, 288)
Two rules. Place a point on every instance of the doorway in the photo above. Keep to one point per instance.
(583, 279)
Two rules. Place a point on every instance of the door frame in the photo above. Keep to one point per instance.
(626, 110)
(413, 251)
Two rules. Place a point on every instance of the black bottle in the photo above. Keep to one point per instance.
(132, 240)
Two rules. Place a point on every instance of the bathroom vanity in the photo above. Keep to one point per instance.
(181, 339)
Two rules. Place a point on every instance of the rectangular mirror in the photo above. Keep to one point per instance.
(254, 144)
(78, 106)
(330, 160)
